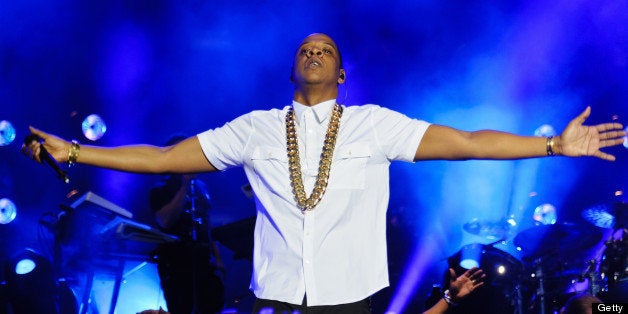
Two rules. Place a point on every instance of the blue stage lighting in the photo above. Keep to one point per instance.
(545, 130)
(8, 211)
(471, 255)
(94, 127)
(7, 133)
(25, 266)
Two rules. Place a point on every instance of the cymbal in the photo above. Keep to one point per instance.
(488, 229)
(607, 215)
(544, 240)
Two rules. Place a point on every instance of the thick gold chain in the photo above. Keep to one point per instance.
(294, 162)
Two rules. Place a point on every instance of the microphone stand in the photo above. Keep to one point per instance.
(192, 195)
(194, 235)
(197, 221)
(540, 291)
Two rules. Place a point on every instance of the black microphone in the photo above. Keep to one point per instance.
(45, 156)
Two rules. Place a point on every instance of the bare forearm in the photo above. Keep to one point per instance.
(137, 158)
(185, 157)
(500, 145)
(576, 140)
(441, 142)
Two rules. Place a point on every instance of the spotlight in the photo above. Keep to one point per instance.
(545, 214)
(545, 130)
(511, 221)
(470, 256)
(8, 211)
(501, 270)
(25, 266)
(7, 133)
(94, 127)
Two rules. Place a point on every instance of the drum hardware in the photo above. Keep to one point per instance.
(614, 262)
(550, 252)
(548, 283)
(519, 299)
(613, 267)
(540, 277)
(549, 265)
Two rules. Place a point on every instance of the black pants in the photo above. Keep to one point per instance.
(263, 306)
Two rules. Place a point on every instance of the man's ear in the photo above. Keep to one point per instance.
(341, 76)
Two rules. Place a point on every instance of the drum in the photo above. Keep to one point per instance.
(503, 271)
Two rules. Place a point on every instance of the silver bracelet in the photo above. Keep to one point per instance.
(447, 297)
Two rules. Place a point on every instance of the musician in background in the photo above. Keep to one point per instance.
(187, 268)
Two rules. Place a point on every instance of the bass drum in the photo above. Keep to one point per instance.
(503, 273)
(614, 267)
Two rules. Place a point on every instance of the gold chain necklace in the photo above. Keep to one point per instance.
(294, 162)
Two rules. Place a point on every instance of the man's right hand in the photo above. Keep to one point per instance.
(56, 146)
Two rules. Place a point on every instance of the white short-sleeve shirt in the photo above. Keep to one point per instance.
(335, 253)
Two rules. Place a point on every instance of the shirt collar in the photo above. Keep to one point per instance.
(321, 110)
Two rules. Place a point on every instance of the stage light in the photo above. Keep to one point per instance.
(501, 269)
(7, 133)
(545, 214)
(25, 266)
(545, 130)
(626, 138)
(512, 222)
(94, 127)
(470, 256)
(8, 211)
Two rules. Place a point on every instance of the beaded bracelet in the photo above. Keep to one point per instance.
(549, 146)
(73, 153)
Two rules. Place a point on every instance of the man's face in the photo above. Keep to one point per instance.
(317, 60)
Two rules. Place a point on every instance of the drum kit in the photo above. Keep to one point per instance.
(553, 265)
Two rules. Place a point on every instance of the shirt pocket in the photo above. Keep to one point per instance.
(271, 166)
(348, 171)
